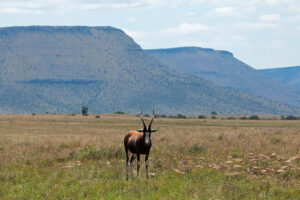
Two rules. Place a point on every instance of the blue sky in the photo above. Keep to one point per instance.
(261, 33)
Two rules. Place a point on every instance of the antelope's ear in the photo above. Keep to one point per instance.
(140, 130)
(154, 130)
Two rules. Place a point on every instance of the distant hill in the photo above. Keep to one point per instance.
(290, 75)
(60, 69)
(223, 69)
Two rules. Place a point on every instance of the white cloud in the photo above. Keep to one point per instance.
(224, 11)
(19, 11)
(132, 19)
(275, 44)
(294, 8)
(272, 2)
(197, 2)
(255, 26)
(239, 40)
(278, 2)
(231, 11)
(235, 3)
(137, 34)
(18, 7)
(270, 18)
(185, 28)
(191, 13)
(36, 6)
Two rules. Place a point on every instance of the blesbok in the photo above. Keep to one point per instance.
(138, 142)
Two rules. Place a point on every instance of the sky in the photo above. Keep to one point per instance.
(261, 33)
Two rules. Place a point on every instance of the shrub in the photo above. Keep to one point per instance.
(291, 117)
(214, 113)
(84, 110)
(181, 116)
(254, 117)
(196, 148)
(97, 116)
(119, 112)
(231, 118)
(201, 117)
(162, 116)
(276, 140)
(243, 118)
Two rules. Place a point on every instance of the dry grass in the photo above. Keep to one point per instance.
(264, 150)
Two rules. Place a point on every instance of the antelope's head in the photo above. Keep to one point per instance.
(147, 130)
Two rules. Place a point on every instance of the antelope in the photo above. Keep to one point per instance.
(138, 142)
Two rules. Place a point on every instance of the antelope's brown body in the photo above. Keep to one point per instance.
(134, 142)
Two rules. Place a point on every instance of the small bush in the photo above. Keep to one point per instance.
(291, 117)
(97, 116)
(33, 114)
(162, 116)
(201, 117)
(213, 117)
(254, 117)
(276, 140)
(221, 137)
(214, 113)
(120, 112)
(181, 116)
(84, 110)
(231, 118)
(243, 118)
(196, 148)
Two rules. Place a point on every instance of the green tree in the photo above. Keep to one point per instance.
(214, 113)
(84, 110)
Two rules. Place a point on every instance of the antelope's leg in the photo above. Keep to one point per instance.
(131, 165)
(138, 164)
(146, 164)
(127, 159)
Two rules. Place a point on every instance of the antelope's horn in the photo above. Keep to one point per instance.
(143, 120)
(149, 127)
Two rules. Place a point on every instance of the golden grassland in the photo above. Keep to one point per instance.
(82, 157)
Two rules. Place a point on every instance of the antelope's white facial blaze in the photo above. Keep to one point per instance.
(147, 138)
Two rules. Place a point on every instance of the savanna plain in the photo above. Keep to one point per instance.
(82, 157)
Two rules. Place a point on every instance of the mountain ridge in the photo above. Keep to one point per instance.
(53, 69)
(290, 75)
(226, 71)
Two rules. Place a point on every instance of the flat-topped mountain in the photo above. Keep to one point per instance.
(223, 69)
(290, 75)
(60, 69)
